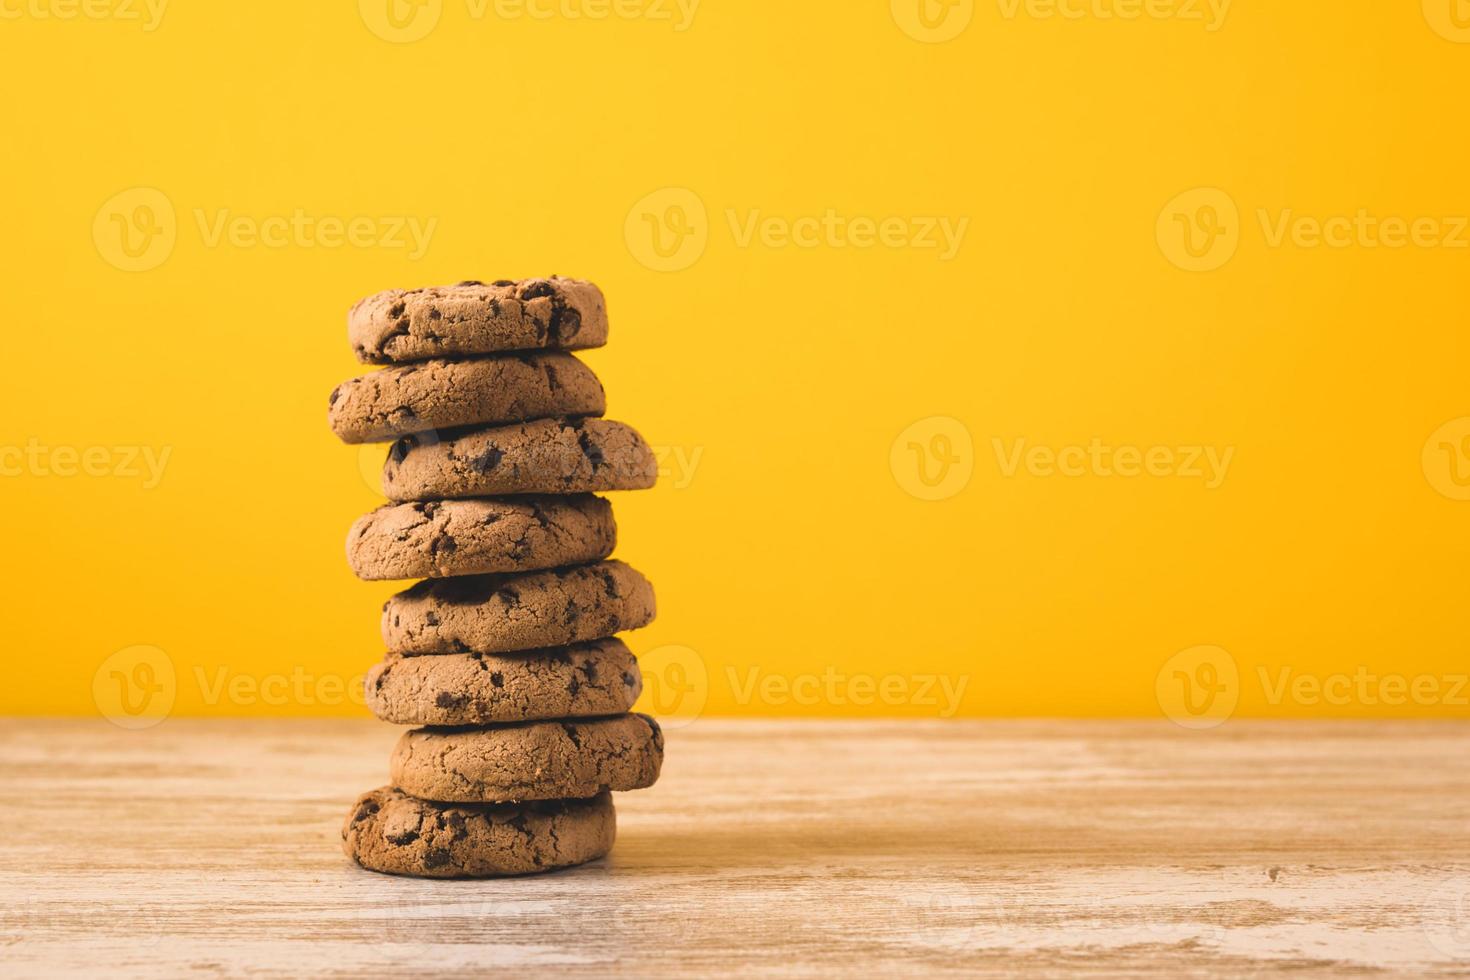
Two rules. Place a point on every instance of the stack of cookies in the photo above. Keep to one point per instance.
(504, 656)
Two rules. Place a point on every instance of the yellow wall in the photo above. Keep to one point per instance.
(799, 387)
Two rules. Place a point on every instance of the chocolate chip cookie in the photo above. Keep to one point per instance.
(397, 401)
(391, 832)
(545, 456)
(583, 680)
(438, 539)
(477, 318)
(498, 613)
(538, 760)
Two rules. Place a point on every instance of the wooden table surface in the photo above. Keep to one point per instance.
(776, 848)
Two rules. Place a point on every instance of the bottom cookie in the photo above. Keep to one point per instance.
(392, 832)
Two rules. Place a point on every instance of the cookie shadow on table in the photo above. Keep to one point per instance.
(751, 846)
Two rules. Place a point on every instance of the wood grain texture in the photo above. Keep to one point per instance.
(771, 848)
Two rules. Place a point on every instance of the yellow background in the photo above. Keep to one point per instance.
(795, 549)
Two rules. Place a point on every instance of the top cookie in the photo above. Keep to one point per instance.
(399, 325)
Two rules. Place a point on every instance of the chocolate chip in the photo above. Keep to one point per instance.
(436, 858)
(566, 323)
(407, 837)
(457, 826)
(591, 451)
(488, 460)
(401, 449)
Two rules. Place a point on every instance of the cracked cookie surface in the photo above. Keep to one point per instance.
(393, 402)
(542, 760)
(499, 613)
(574, 455)
(583, 680)
(402, 325)
(386, 830)
(438, 539)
